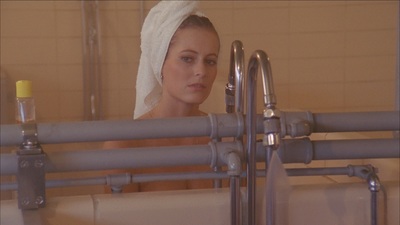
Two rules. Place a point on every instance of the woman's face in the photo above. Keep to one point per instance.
(190, 66)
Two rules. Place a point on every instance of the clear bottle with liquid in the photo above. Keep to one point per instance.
(25, 104)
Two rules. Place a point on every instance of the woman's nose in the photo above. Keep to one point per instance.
(200, 69)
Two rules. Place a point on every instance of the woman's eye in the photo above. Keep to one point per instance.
(186, 59)
(211, 62)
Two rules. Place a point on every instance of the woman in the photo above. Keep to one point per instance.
(177, 69)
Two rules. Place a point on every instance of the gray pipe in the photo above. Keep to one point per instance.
(291, 151)
(305, 151)
(223, 125)
(219, 125)
(147, 157)
(123, 179)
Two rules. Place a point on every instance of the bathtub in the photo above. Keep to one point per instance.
(328, 204)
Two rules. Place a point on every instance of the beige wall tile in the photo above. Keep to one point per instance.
(28, 51)
(371, 94)
(108, 22)
(320, 18)
(26, 4)
(372, 16)
(70, 77)
(313, 96)
(127, 5)
(316, 70)
(47, 106)
(68, 5)
(111, 104)
(71, 104)
(366, 42)
(259, 4)
(222, 20)
(256, 21)
(317, 44)
(28, 23)
(127, 74)
(128, 23)
(276, 46)
(126, 104)
(280, 71)
(370, 68)
(69, 23)
(69, 50)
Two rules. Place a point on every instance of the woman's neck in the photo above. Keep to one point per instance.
(162, 110)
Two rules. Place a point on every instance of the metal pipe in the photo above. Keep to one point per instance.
(122, 179)
(234, 88)
(259, 62)
(234, 103)
(356, 121)
(222, 125)
(91, 60)
(291, 151)
(145, 157)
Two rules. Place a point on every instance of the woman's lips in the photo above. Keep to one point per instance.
(197, 86)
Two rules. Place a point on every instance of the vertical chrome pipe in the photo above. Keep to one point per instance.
(91, 60)
(259, 62)
(234, 87)
(234, 103)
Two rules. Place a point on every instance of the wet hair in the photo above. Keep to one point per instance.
(196, 21)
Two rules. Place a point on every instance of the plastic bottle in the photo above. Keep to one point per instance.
(25, 104)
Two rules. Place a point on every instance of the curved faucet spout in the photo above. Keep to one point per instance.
(259, 62)
(234, 87)
(259, 59)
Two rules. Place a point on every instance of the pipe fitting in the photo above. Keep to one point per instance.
(234, 163)
(367, 173)
(271, 113)
(117, 181)
(374, 183)
(296, 124)
(229, 155)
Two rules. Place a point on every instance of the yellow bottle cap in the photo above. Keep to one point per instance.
(24, 88)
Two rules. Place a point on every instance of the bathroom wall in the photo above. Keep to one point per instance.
(327, 56)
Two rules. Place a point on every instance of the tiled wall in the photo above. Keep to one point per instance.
(327, 56)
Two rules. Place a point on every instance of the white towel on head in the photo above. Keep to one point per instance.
(158, 28)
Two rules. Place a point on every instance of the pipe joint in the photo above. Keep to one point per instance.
(229, 155)
(296, 124)
(298, 129)
(117, 181)
(368, 173)
(230, 98)
(271, 112)
(272, 132)
(234, 163)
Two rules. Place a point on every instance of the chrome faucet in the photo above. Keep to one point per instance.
(259, 62)
(234, 87)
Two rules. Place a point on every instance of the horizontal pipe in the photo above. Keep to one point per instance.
(135, 178)
(224, 125)
(356, 121)
(145, 157)
(291, 151)
(304, 150)
(219, 125)
(356, 149)
(142, 178)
